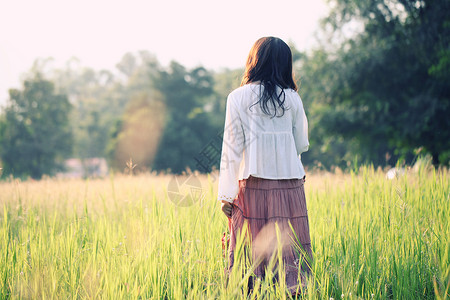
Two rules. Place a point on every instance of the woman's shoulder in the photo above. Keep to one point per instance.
(244, 94)
(244, 89)
(251, 91)
(294, 95)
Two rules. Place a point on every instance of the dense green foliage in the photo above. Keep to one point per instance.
(137, 134)
(35, 131)
(122, 237)
(383, 80)
(189, 125)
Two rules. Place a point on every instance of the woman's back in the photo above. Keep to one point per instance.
(271, 144)
(246, 96)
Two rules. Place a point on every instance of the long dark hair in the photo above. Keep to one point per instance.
(270, 63)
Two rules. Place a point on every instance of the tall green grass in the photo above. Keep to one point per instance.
(122, 237)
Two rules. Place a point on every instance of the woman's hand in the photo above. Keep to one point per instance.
(226, 208)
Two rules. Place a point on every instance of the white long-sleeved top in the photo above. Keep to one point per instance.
(258, 144)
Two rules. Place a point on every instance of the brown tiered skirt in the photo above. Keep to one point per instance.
(262, 203)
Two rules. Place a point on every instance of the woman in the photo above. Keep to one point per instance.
(261, 174)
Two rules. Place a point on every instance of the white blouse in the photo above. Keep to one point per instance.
(258, 144)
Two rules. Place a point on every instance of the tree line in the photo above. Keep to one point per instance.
(375, 89)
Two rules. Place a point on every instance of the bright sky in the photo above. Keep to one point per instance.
(211, 33)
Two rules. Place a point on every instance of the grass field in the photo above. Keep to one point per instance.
(123, 237)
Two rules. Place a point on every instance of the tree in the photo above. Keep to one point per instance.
(316, 76)
(189, 126)
(100, 98)
(95, 106)
(137, 135)
(390, 90)
(36, 134)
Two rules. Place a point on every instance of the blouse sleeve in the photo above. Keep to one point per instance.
(300, 130)
(232, 153)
